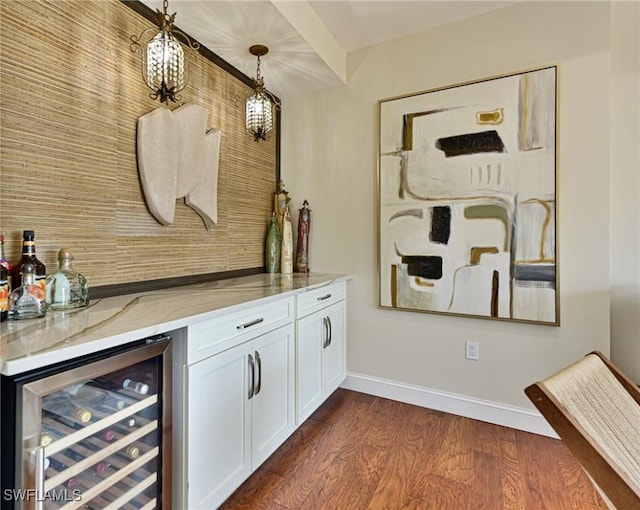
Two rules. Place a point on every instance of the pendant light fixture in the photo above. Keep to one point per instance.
(164, 69)
(259, 108)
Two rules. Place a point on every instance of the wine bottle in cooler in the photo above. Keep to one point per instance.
(95, 398)
(98, 468)
(61, 404)
(136, 386)
(60, 466)
(57, 430)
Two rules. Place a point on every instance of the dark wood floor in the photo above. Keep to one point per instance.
(362, 452)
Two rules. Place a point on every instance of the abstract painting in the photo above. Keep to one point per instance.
(467, 199)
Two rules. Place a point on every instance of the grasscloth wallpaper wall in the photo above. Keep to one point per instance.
(71, 93)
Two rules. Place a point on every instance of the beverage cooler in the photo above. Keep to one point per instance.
(91, 433)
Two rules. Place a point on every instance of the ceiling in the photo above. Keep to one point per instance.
(309, 40)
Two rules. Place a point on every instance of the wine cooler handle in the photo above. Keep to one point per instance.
(250, 323)
(39, 478)
(253, 376)
(330, 331)
(259, 363)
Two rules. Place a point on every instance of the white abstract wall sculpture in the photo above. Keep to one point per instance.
(178, 158)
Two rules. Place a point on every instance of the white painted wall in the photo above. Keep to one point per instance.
(625, 187)
(329, 157)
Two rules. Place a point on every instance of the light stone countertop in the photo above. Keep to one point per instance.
(113, 321)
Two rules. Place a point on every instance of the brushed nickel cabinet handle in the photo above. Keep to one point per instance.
(259, 379)
(326, 296)
(251, 323)
(330, 331)
(325, 327)
(253, 376)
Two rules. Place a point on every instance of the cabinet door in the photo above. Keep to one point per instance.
(311, 334)
(219, 415)
(334, 366)
(272, 414)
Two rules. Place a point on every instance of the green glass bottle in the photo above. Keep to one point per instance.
(272, 247)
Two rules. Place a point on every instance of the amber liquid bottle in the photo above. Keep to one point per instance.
(28, 256)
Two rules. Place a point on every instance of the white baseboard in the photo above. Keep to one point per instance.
(483, 410)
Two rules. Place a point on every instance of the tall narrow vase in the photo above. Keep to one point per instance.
(302, 251)
(272, 246)
(286, 254)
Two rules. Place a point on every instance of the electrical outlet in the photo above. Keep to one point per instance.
(472, 351)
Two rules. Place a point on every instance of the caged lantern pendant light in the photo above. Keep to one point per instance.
(164, 69)
(259, 108)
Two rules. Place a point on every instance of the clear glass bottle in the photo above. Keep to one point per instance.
(66, 288)
(28, 300)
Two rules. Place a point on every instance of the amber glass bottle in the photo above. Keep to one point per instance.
(28, 257)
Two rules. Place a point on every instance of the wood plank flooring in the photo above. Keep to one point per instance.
(363, 452)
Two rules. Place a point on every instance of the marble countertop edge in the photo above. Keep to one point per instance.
(118, 320)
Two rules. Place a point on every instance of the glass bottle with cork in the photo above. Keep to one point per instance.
(28, 257)
(66, 288)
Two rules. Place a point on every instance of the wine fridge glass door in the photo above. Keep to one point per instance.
(98, 435)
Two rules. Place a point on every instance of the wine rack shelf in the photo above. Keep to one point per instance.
(108, 463)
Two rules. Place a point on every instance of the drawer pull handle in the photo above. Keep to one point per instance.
(326, 296)
(251, 323)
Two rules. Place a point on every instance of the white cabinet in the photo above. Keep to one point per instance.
(239, 401)
(320, 347)
(243, 379)
(219, 427)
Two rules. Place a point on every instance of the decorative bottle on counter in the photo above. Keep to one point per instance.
(272, 248)
(66, 288)
(286, 253)
(302, 251)
(28, 257)
(28, 300)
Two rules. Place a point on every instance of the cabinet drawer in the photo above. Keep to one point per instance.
(210, 337)
(316, 299)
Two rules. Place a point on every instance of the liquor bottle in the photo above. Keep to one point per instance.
(97, 398)
(60, 403)
(28, 256)
(66, 288)
(28, 300)
(3, 260)
(5, 290)
(5, 283)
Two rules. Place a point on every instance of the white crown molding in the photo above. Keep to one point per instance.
(461, 405)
